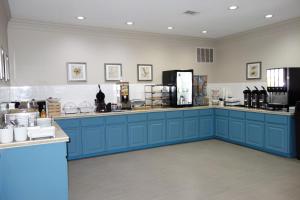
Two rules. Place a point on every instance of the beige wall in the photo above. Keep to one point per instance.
(40, 52)
(276, 46)
(4, 17)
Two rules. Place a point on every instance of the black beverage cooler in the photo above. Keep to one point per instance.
(297, 123)
(181, 87)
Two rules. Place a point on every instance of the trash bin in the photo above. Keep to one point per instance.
(297, 126)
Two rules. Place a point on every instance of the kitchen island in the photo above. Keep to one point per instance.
(96, 134)
(34, 170)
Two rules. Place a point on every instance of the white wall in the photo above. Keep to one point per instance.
(277, 45)
(40, 52)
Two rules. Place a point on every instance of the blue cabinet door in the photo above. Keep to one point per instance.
(1, 176)
(93, 139)
(74, 145)
(237, 130)
(255, 133)
(174, 130)
(116, 136)
(137, 133)
(222, 127)
(34, 173)
(156, 132)
(206, 126)
(190, 128)
(276, 138)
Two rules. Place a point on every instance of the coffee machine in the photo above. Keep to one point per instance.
(247, 97)
(283, 87)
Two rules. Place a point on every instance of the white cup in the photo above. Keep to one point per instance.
(7, 135)
(20, 134)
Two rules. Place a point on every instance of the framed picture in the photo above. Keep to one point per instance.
(6, 68)
(145, 72)
(76, 71)
(113, 71)
(253, 70)
(2, 63)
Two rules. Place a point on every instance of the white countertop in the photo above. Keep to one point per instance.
(60, 136)
(128, 112)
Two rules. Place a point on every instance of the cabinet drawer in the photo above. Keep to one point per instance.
(153, 116)
(93, 121)
(176, 114)
(206, 112)
(237, 114)
(255, 116)
(137, 117)
(190, 113)
(68, 123)
(222, 112)
(116, 119)
(277, 119)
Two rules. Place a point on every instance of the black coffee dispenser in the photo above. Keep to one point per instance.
(247, 97)
(255, 97)
(263, 98)
(100, 101)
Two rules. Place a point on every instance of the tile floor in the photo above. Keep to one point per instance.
(207, 170)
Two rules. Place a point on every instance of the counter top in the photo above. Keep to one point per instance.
(128, 112)
(60, 136)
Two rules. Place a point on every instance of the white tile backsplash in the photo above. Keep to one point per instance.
(79, 93)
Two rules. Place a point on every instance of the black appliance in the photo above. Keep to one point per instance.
(247, 97)
(283, 87)
(255, 98)
(100, 102)
(297, 132)
(181, 87)
(263, 98)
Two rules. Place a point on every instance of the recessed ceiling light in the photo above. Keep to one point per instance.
(268, 16)
(81, 18)
(170, 28)
(130, 23)
(204, 32)
(233, 7)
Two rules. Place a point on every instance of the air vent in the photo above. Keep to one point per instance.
(190, 12)
(205, 55)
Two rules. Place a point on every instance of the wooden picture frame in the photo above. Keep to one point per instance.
(253, 70)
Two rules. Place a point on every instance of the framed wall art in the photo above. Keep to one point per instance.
(253, 70)
(113, 71)
(76, 71)
(2, 63)
(145, 72)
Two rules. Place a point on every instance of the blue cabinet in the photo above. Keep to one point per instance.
(222, 127)
(34, 173)
(190, 125)
(206, 123)
(237, 126)
(174, 126)
(276, 138)
(137, 133)
(74, 145)
(237, 130)
(255, 129)
(255, 133)
(93, 139)
(156, 131)
(116, 133)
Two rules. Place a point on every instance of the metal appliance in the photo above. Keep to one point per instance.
(247, 97)
(124, 95)
(255, 97)
(181, 87)
(263, 98)
(283, 87)
(200, 91)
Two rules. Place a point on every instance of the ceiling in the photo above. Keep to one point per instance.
(156, 15)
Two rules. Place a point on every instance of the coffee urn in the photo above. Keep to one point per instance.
(263, 98)
(255, 97)
(247, 97)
